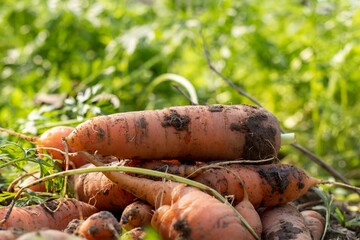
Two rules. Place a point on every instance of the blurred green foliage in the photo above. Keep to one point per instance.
(299, 58)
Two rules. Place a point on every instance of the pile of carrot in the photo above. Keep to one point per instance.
(183, 141)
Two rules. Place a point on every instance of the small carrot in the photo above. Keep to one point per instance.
(315, 222)
(96, 189)
(55, 214)
(51, 142)
(101, 225)
(136, 214)
(197, 133)
(284, 222)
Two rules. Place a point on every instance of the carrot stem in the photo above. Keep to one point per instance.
(287, 138)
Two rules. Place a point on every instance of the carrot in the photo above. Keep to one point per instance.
(315, 222)
(266, 185)
(51, 141)
(284, 222)
(96, 189)
(247, 210)
(55, 214)
(101, 225)
(136, 214)
(183, 211)
(48, 234)
(198, 133)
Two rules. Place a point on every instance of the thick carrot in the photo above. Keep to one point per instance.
(315, 222)
(284, 222)
(182, 211)
(266, 185)
(198, 133)
(96, 189)
(136, 214)
(51, 142)
(55, 214)
(101, 225)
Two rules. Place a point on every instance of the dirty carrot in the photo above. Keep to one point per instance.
(266, 185)
(136, 214)
(96, 189)
(284, 222)
(198, 133)
(101, 225)
(54, 214)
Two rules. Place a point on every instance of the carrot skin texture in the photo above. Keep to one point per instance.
(136, 214)
(96, 189)
(247, 210)
(315, 222)
(284, 222)
(266, 185)
(189, 132)
(35, 217)
(101, 225)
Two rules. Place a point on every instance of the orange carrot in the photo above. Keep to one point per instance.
(315, 222)
(182, 211)
(55, 214)
(136, 214)
(96, 189)
(266, 185)
(101, 225)
(51, 141)
(284, 222)
(247, 210)
(198, 133)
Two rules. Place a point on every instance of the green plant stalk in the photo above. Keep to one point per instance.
(148, 172)
(178, 79)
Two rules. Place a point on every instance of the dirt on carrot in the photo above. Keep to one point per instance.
(195, 133)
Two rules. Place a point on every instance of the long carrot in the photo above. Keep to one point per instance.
(199, 133)
(266, 185)
(55, 214)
